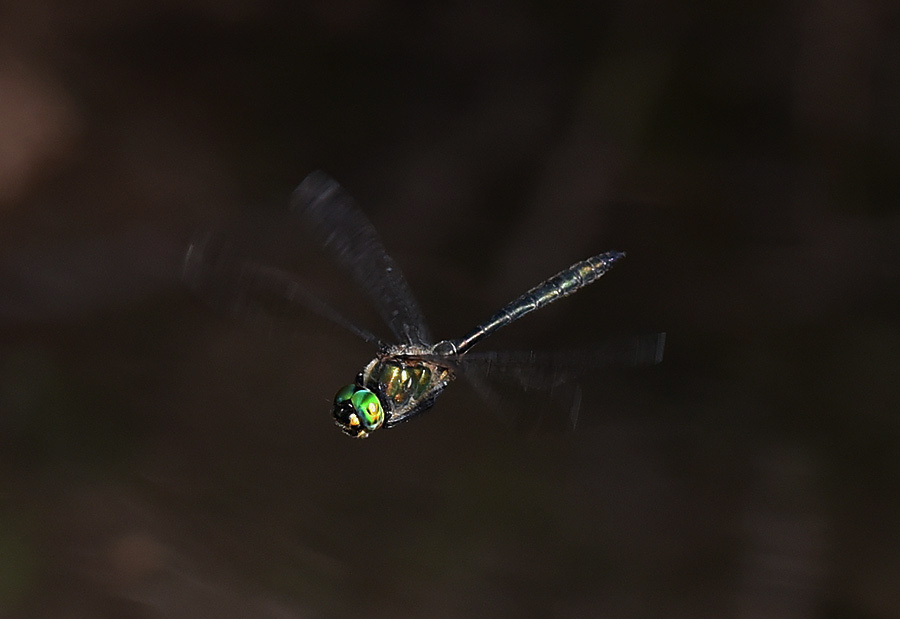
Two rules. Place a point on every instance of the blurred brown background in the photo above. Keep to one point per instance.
(158, 459)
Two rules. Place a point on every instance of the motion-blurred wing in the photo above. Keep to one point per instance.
(543, 370)
(249, 290)
(333, 217)
(551, 378)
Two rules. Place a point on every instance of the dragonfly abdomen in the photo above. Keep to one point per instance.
(560, 285)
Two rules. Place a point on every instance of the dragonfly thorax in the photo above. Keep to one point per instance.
(391, 388)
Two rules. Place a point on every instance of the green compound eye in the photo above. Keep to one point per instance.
(367, 405)
(344, 394)
(357, 411)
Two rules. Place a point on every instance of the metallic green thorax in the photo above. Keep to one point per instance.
(399, 382)
(404, 383)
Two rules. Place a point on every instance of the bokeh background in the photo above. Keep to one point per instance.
(161, 458)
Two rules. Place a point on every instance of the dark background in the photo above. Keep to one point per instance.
(159, 459)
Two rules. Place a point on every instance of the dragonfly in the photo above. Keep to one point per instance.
(405, 377)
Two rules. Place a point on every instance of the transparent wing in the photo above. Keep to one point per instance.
(543, 370)
(540, 390)
(252, 291)
(333, 217)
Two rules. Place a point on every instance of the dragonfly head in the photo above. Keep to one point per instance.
(357, 411)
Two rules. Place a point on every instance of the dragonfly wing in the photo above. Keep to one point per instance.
(250, 290)
(339, 225)
(543, 370)
(539, 390)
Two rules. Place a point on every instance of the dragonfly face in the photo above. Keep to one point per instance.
(357, 411)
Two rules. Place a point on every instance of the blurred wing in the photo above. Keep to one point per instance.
(252, 291)
(334, 218)
(544, 370)
(554, 401)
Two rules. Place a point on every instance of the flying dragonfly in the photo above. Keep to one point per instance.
(406, 377)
